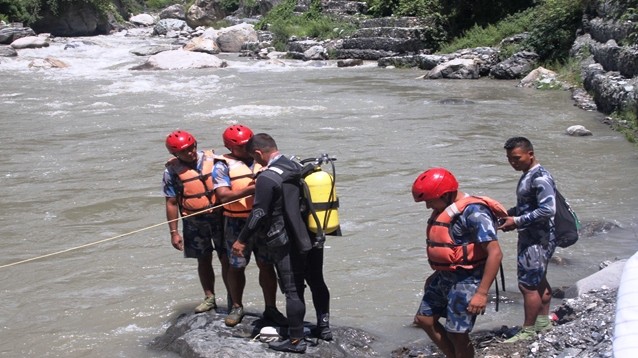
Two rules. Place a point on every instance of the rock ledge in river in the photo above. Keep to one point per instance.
(205, 335)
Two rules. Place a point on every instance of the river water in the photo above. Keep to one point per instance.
(82, 156)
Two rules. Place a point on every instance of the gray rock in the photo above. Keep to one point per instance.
(231, 39)
(180, 59)
(541, 77)
(8, 51)
(204, 13)
(175, 11)
(583, 327)
(205, 335)
(578, 131)
(302, 46)
(202, 44)
(165, 25)
(315, 53)
(10, 34)
(30, 42)
(608, 278)
(455, 69)
(517, 66)
(47, 63)
(152, 49)
(142, 19)
(349, 63)
(77, 18)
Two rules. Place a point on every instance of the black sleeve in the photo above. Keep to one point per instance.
(265, 188)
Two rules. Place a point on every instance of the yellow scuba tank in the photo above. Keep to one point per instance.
(323, 196)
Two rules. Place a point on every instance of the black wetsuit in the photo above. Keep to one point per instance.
(276, 218)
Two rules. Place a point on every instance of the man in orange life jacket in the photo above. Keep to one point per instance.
(233, 177)
(188, 188)
(464, 252)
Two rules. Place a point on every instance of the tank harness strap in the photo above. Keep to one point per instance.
(327, 206)
(320, 236)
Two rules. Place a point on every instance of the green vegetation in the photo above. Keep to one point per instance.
(28, 11)
(626, 122)
(283, 22)
(158, 4)
(551, 25)
(492, 34)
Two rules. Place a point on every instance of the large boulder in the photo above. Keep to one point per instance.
(205, 335)
(202, 44)
(205, 13)
(142, 19)
(8, 51)
(231, 39)
(540, 78)
(458, 68)
(607, 278)
(10, 34)
(164, 26)
(176, 11)
(30, 42)
(517, 66)
(78, 18)
(179, 60)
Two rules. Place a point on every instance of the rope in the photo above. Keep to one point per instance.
(119, 236)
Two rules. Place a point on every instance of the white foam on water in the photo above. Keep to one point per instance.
(133, 328)
(260, 110)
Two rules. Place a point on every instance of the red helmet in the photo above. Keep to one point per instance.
(433, 183)
(179, 140)
(236, 135)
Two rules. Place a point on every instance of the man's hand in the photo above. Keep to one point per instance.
(176, 241)
(238, 249)
(507, 224)
(477, 303)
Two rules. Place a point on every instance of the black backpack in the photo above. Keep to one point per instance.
(566, 223)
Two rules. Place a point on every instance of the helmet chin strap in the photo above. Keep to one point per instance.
(449, 198)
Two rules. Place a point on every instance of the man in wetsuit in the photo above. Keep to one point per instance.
(276, 221)
(533, 217)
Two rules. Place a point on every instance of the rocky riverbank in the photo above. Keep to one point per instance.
(583, 327)
(609, 65)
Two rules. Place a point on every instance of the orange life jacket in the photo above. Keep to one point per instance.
(443, 253)
(240, 176)
(197, 192)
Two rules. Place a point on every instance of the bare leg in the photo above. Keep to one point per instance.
(236, 283)
(223, 260)
(436, 332)
(462, 345)
(536, 301)
(268, 283)
(206, 274)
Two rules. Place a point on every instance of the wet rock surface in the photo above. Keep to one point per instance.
(205, 335)
(583, 328)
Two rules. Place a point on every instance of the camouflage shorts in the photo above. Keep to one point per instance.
(532, 260)
(448, 295)
(202, 234)
(232, 228)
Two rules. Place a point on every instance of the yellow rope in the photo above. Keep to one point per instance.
(118, 236)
